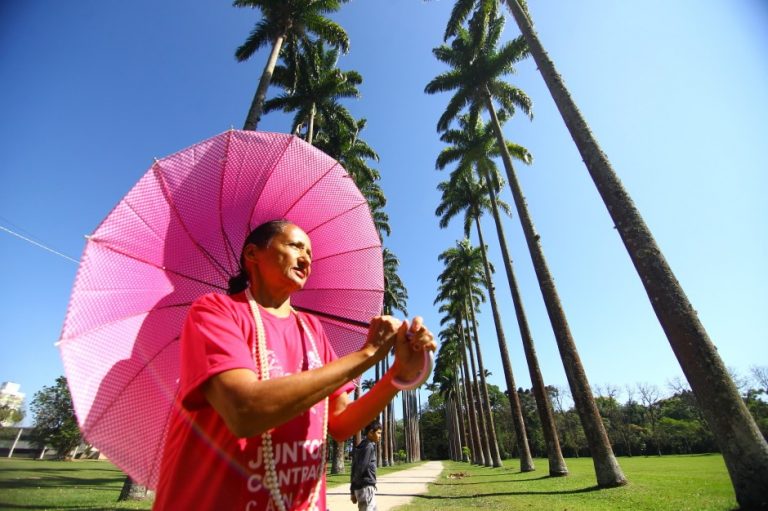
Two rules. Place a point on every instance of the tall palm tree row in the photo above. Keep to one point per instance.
(464, 271)
(286, 21)
(744, 449)
(464, 193)
(446, 382)
(459, 292)
(474, 146)
(477, 68)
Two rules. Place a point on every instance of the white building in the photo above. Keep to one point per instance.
(12, 398)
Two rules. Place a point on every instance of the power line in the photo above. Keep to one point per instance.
(38, 244)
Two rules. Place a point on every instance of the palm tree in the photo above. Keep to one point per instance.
(476, 76)
(473, 146)
(315, 90)
(744, 449)
(459, 266)
(456, 293)
(446, 382)
(463, 193)
(395, 293)
(281, 20)
(344, 144)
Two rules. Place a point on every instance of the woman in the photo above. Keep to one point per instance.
(260, 386)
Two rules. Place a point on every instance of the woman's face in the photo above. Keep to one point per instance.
(286, 261)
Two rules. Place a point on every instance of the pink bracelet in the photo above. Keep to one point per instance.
(429, 360)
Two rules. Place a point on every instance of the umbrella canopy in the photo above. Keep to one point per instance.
(177, 235)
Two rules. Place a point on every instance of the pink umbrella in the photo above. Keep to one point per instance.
(177, 235)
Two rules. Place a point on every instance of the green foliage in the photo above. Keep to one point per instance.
(434, 434)
(10, 415)
(758, 408)
(55, 422)
(672, 425)
(295, 19)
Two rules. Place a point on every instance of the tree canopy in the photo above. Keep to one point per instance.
(55, 422)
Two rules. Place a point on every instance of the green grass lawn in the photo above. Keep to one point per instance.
(70, 485)
(82, 485)
(669, 483)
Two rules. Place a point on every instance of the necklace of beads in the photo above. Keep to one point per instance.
(260, 360)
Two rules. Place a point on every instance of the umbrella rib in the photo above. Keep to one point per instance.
(156, 466)
(108, 323)
(231, 254)
(141, 219)
(356, 206)
(334, 317)
(154, 265)
(266, 179)
(310, 187)
(316, 259)
(158, 172)
(366, 289)
(127, 384)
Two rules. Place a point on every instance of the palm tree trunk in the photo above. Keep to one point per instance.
(257, 105)
(483, 391)
(392, 439)
(478, 458)
(134, 491)
(493, 441)
(482, 423)
(449, 424)
(358, 434)
(557, 465)
(420, 450)
(382, 418)
(461, 416)
(311, 126)
(607, 469)
(453, 420)
(337, 464)
(414, 427)
(526, 460)
(744, 448)
(406, 425)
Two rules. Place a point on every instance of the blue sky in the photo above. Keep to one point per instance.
(676, 93)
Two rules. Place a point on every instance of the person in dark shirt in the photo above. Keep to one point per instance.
(363, 484)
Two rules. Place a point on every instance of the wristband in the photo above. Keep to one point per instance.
(429, 360)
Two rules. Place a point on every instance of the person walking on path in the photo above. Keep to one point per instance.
(363, 473)
(393, 489)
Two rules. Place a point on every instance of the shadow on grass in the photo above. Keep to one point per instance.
(486, 482)
(589, 489)
(70, 468)
(60, 482)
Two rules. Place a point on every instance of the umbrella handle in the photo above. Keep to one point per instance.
(426, 369)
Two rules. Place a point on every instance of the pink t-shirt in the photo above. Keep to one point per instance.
(204, 465)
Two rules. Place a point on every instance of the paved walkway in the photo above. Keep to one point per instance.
(393, 489)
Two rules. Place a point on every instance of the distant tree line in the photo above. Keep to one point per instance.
(639, 419)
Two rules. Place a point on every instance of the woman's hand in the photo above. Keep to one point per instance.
(411, 342)
(381, 336)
